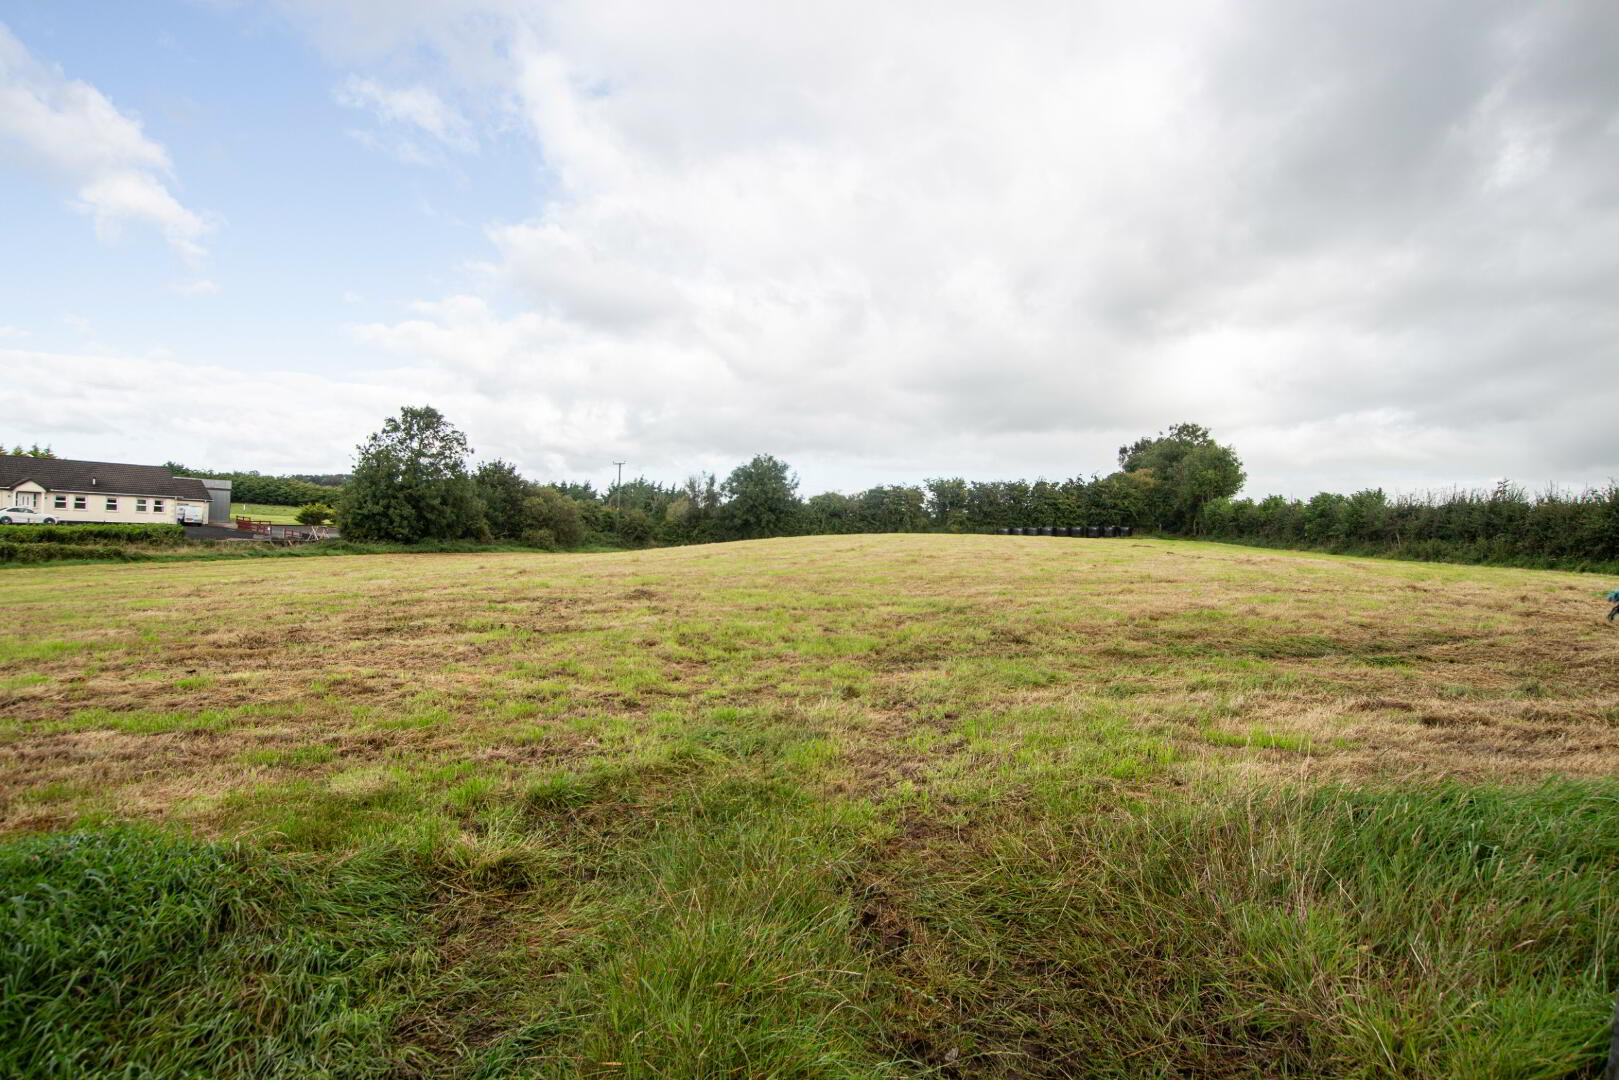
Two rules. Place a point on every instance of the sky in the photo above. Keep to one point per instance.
(1369, 245)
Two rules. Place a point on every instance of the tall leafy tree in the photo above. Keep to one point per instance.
(762, 499)
(502, 491)
(411, 483)
(1187, 469)
(947, 501)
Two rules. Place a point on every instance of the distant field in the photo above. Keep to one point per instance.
(828, 807)
(279, 515)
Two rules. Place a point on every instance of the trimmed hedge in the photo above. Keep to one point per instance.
(47, 552)
(93, 534)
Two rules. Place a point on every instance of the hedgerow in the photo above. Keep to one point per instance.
(164, 534)
(13, 552)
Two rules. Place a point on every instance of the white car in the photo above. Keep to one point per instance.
(24, 515)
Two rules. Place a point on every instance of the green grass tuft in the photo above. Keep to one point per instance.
(135, 953)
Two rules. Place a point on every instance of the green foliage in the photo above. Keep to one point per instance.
(894, 508)
(1185, 469)
(549, 518)
(13, 552)
(410, 483)
(34, 450)
(633, 525)
(1502, 525)
(502, 492)
(252, 487)
(134, 953)
(315, 514)
(763, 500)
(832, 512)
(165, 534)
(948, 503)
(692, 514)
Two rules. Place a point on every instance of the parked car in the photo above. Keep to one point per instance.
(24, 515)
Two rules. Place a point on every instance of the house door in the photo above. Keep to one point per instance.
(26, 498)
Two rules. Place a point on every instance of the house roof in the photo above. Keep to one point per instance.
(60, 474)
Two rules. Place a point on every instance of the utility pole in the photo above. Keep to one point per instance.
(618, 486)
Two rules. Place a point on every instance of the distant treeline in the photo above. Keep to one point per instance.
(702, 510)
(412, 482)
(1506, 525)
(291, 490)
(1162, 481)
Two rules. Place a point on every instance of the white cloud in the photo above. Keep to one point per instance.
(404, 113)
(68, 130)
(915, 239)
(199, 287)
(1370, 244)
(154, 408)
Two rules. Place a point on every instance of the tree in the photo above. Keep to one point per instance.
(763, 499)
(410, 483)
(315, 514)
(947, 502)
(503, 493)
(551, 519)
(1187, 468)
(831, 512)
(893, 508)
(691, 516)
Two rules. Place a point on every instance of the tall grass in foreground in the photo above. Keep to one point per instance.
(735, 926)
(132, 953)
(1448, 932)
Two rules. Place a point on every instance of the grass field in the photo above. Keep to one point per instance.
(831, 807)
(276, 515)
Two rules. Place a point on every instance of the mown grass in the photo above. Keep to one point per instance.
(277, 515)
(832, 807)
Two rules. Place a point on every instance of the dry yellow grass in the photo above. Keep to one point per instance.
(156, 691)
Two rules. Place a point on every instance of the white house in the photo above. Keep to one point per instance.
(108, 491)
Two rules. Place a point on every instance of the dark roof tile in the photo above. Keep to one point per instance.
(60, 474)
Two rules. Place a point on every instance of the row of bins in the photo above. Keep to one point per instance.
(1076, 530)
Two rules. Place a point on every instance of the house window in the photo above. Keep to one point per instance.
(61, 502)
(157, 506)
(79, 502)
(112, 504)
(140, 506)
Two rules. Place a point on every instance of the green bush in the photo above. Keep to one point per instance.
(93, 534)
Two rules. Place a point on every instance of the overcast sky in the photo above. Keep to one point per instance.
(1369, 244)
